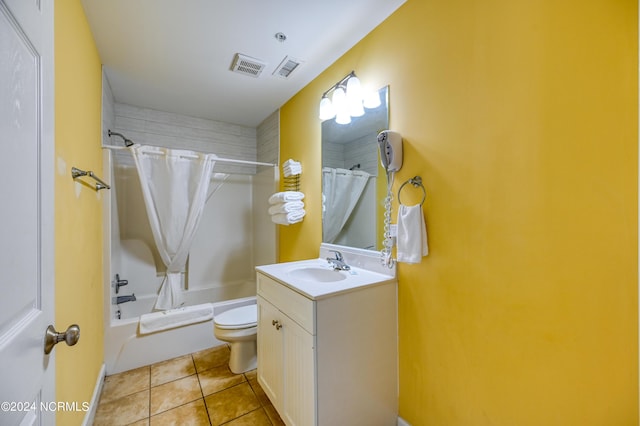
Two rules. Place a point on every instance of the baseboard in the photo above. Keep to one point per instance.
(97, 390)
(402, 422)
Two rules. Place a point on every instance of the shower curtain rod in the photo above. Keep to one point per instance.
(217, 159)
(341, 171)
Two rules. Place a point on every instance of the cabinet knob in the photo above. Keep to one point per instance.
(277, 324)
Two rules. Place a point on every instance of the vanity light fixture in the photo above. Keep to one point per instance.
(348, 100)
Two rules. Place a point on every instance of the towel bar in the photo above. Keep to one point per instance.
(100, 184)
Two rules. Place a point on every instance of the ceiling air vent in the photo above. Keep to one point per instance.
(286, 67)
(247, 65)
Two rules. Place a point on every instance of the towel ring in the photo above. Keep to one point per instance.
(416, 181)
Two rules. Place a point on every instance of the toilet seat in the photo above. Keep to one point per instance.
(237, 318)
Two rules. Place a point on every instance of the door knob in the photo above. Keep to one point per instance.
(52, 337)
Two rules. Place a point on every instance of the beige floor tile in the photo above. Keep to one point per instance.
(126, 383)
(255, 418)
(231, 403)
(213, 357)
(123, 411)
(218, 378)
(273, 415)
(143, 422)
(174, 394)
(172, 369)
(251, 375)
(257, 389)
(191, 414)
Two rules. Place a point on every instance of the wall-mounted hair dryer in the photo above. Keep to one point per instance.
(390, 144)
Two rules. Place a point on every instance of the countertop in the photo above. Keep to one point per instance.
(354, 279)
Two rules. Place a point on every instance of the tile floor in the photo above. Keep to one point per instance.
(196, 389)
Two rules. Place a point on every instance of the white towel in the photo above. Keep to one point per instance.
(283, 197)
(158, 321)
(412, 234)
(291, 168)
(286, 207)
(292, 171)
(288, 218)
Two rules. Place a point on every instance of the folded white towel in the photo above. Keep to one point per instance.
(412, 234)
(283, 197)
(291, 168)
(158, 321)
(290, 163)
(288, 218)
(286, 207)
(292, 171)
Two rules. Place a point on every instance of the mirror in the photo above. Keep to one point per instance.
(353, 188)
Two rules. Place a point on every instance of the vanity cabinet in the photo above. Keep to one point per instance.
(328, 360)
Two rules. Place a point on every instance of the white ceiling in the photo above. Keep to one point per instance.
(176, 55)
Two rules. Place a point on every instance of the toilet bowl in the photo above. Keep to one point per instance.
(239, 328)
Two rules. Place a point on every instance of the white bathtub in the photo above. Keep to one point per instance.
(126, 349)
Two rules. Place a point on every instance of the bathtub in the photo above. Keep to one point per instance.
(126, 349)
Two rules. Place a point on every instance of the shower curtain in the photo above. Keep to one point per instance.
(175, 187)
(341, 190)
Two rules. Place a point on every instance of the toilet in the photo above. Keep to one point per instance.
(239, 327)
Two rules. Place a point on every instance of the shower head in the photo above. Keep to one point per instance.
(127, 142)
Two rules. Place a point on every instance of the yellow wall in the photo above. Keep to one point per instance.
(78, 209)
(521, 117)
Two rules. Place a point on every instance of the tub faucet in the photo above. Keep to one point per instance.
(124, 299)
(338, 262)
(119, 283)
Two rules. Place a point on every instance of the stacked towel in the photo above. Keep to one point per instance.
(291, 168)
(286, 207)
(286, 196)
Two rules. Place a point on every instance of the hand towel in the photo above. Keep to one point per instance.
(283, 197)
(286, 207)
(288, 218)
(412, 234)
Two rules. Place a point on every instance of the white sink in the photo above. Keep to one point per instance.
(316, 274)
(315, 279)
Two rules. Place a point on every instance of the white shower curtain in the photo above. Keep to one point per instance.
(175, 186)
(341, 190)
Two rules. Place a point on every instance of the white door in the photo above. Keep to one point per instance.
(27, 375)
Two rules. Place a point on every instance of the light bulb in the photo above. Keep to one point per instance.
(343, 118)
(372, 99)
(327, 111)
(354, 97)
(354, 89)
(341, 106)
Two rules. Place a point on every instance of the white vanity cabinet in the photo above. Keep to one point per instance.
(328, 359)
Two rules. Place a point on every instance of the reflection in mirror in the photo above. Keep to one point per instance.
(350, 178)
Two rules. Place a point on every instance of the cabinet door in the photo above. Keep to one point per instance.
(299, 375)
(270, 352)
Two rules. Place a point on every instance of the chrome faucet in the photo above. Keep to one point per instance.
(124, 299)
(119, 283)
(338, 262)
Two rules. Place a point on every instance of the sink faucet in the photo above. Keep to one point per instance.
(124, 299)
(338, 262)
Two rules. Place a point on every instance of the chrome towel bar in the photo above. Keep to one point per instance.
(100, 184)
